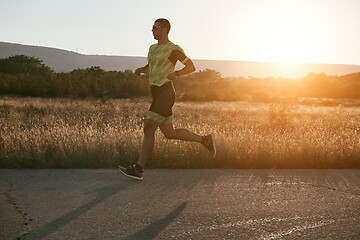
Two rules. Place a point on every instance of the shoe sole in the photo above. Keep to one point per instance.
(213, 143)
(122, 170)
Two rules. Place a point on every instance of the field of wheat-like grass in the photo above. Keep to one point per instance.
(65, 133)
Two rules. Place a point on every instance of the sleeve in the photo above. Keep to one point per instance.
(178, 55)
(150, 53)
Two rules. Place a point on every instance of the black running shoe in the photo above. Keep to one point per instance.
(209, 144)
(131, 172)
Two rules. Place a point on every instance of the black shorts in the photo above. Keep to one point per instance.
(163, 100)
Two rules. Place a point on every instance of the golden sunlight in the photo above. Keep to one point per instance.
(284, 35)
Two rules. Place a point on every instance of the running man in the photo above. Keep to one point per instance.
(162, 58)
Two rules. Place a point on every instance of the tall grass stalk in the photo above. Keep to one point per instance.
(63, 133)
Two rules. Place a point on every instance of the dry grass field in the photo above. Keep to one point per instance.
(64, 133)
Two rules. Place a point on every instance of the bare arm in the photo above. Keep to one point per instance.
(189, 68)
(141, 70)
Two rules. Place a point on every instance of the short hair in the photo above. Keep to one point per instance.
(164, 23)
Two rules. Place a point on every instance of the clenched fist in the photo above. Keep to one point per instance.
(138, 71)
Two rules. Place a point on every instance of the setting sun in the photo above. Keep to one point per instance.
(282, 34)
(203, 119)
(286, 42)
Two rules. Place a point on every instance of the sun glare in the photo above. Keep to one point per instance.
(283, 35)
(287, 43)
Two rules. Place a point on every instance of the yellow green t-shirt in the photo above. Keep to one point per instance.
(162, 60)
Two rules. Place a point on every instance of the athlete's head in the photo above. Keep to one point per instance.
(161, 27)
(164, 23)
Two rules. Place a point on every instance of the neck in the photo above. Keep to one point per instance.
(163, 40)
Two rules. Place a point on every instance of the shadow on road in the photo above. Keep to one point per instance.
(156, 227)
(101, 194)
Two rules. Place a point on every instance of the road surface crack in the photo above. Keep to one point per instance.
(24, 215)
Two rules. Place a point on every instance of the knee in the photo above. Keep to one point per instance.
(149, 127)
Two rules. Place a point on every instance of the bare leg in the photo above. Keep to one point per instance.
(147, 148)
(180, 133)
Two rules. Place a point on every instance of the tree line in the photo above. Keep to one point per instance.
(22, 75)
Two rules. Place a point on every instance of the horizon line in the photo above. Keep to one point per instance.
(200, 59)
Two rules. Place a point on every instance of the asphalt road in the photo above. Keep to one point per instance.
(180, 204)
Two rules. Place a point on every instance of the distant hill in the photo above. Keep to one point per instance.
(65, 61)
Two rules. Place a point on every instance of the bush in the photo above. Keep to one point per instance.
(28, 76)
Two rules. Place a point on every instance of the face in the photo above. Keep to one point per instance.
(157, 30)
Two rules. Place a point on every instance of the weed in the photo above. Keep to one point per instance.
(64, 133)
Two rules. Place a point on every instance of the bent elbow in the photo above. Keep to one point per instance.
(193, 69)
(190, 67)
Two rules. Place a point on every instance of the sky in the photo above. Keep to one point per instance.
(305, 31)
